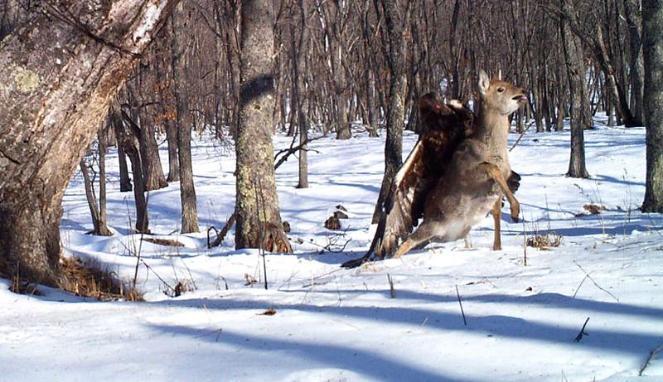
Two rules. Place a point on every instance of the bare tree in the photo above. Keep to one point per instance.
(258, 218)
(652, 41)
(97, 206)
(54, 94)
(573, 54)
(180, 23)
(393, 150)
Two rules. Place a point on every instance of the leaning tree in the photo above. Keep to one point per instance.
(60, 71)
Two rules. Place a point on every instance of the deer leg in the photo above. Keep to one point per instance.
(468, 242)
(494, 173)
(421, 235)
(497, 214)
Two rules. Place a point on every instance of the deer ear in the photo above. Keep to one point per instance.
(484, 82)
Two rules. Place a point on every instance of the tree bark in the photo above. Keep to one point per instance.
(149, 154)
(258, 219)
(97, 208)
(575, 70)
(180, 25)
(635, 60)
(173, 158)
(102, 138)
(59, 75)
(652, 47)
(298, 83)
(125, 180)
(393, 149)
(127, 141)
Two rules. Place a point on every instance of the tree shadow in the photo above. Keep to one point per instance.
(343, 357)
(507, 327)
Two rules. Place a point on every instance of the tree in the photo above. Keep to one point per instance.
(55, 92)
(652, 47)
(573, 54)
(97, 208)
(127, 138)
(257, 210)
(180, 25)
(393, 149)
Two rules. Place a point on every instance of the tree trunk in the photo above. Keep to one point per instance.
(125, 180)
(98, 216)
(180, 21)
(102, 138)
(635, 60)
(258, 218)
(652, 47)
(127, 140)
(149, 154)
(575, 69)
(173, 159)
(57, 83)
(393, 149)
(298, 84)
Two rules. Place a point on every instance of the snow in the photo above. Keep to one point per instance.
(333, 324)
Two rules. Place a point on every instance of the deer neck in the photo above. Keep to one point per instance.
(493, 131)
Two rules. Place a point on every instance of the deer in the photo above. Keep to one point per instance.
(476, 179)
(456, 174)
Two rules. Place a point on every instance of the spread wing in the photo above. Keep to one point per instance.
(445, 126)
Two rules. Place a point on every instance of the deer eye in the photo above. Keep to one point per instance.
(500, 90)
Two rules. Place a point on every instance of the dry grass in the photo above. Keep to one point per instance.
(24, 287)
(181, 288)
(90, 280)
(593, 209)
(164, 242)
(545, 241)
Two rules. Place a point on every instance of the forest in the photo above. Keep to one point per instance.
(294, 189)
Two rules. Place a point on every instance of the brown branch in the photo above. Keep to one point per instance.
(224, 231)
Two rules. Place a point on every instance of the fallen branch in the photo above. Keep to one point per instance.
(521, 136)
(224, 231)
(461, 306)
(582, 331)
(652, 355)
(595, 283)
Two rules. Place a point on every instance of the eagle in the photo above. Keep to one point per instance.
(445, 128)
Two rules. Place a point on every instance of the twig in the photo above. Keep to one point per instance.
(224, 231)
(293, 149)
(595, 283)
(524, 244)
(392, 292)
(579, 285)
(521, 136)
(460, 302)
(582, 331)
(216, 232)
(652, 355)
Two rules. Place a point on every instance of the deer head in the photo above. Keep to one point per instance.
(500, 96)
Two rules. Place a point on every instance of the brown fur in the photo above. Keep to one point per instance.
(454, 176)
(476, 178)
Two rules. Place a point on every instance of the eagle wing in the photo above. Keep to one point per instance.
(445, 126)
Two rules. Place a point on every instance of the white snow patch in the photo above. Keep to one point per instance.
(336, 324)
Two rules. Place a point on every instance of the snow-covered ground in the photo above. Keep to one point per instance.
(332, 324)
